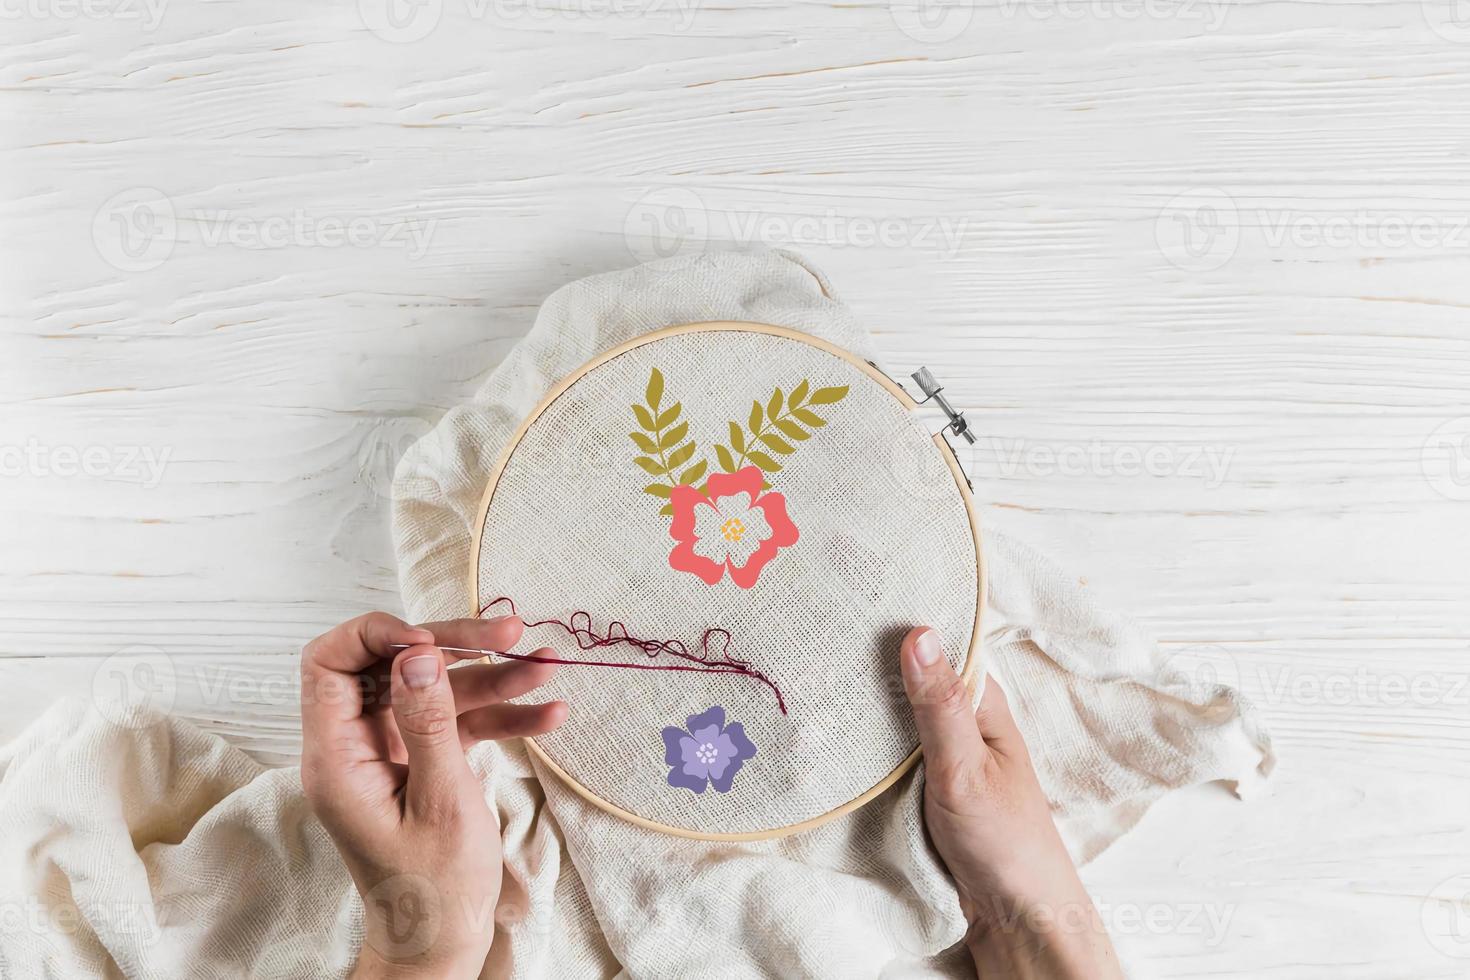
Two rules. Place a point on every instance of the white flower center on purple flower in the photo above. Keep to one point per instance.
(707, 753)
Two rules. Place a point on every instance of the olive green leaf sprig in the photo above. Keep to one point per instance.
(665, 442)
(776, 427)
(772, 429)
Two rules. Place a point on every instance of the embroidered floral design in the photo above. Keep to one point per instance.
(665, 441)
(776, 427)
(731, 527)
(731, 523)
(708, 752)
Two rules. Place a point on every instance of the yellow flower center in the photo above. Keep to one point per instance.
(733, 529)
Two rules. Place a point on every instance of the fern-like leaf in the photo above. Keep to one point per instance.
(674, 436)
(778, 444)
(826, 396)
(792, 430)
(693, 474)
(765, 462)
(726, 460)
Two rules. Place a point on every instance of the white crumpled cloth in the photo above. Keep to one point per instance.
(140, 844)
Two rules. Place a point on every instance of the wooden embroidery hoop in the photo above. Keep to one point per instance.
(972, 658)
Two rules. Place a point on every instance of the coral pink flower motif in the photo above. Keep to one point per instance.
(734, 527)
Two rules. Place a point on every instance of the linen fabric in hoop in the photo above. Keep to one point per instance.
(748, 479)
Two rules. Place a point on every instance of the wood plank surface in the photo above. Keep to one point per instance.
(1197, 271)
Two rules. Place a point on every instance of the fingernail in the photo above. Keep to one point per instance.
(926, 648)
(499, 619)
(421, 671)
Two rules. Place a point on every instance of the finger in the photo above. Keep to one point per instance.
(498, 721)
(359, 643)
(423, 706)
(997, 726)
(511, 721)
(479, 685)
(499, 634)
(941, 703)
(331, 694)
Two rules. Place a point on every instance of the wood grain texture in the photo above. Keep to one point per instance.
(996, 192)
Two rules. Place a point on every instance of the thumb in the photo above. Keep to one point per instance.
(997, 725)
(941, 702)
(423, 706)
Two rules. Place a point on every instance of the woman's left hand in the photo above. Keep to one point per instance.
(383, 765)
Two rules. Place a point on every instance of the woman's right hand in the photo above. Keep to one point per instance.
(385, 727)
(1028, 913)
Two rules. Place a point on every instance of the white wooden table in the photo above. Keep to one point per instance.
(1198, 271)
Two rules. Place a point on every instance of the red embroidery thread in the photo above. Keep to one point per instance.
(579, 627)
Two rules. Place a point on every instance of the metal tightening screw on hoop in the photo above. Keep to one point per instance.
(934, 391)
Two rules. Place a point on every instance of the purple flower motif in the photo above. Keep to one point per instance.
(708, 752)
